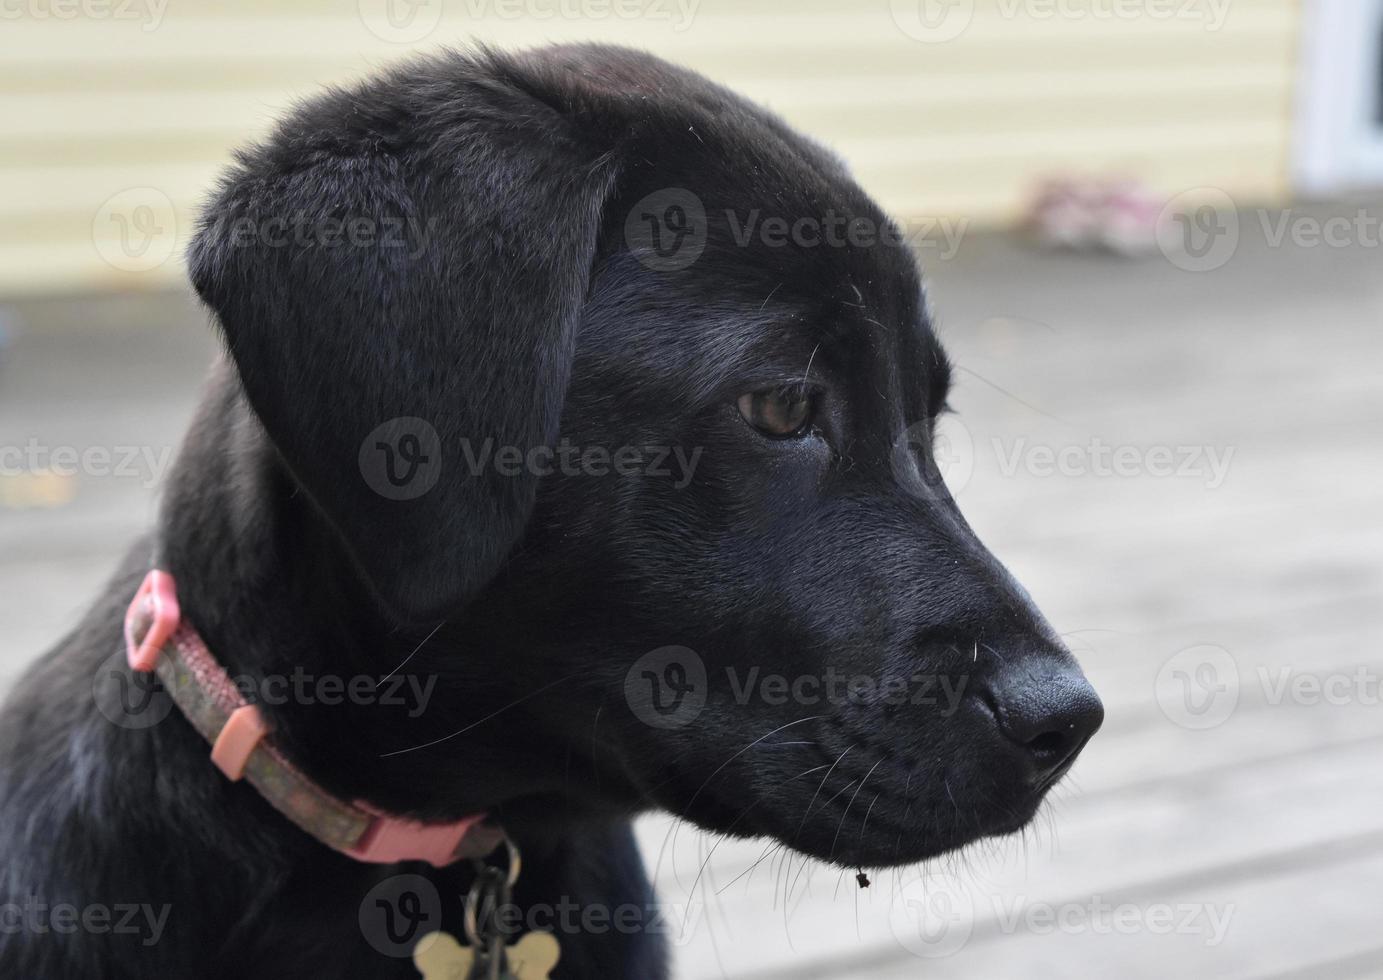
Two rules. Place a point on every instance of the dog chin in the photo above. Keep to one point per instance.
(875, 833)
(884, 844)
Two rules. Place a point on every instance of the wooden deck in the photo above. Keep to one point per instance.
(1253, 848)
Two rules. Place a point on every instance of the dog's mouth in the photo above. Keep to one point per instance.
(863, 799)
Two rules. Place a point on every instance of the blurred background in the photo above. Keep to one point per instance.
(1154, 238)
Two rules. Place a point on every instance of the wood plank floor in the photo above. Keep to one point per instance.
(1252, 848)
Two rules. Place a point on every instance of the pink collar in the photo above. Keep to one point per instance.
(157, 640)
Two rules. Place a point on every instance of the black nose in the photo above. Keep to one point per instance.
(1046, 706)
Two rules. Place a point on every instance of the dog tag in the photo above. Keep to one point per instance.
(438, 956)
(534, 956)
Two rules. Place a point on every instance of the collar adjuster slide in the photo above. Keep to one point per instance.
(151, 621)
(240, 736)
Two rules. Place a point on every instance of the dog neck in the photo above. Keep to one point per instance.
(413, 720)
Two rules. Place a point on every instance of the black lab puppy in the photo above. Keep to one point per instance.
(584, 411)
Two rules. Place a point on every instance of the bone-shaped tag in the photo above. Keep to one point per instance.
(438, 956)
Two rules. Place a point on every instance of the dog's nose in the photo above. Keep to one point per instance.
(1047, 707)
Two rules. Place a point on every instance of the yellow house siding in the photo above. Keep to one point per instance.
(94, 106)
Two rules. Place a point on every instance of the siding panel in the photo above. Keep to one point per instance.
(91, 108)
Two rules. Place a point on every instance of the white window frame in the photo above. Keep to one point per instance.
(1338, 137)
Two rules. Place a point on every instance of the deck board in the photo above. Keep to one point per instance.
(1274, 813)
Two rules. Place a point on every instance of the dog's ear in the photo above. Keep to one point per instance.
(398, 273)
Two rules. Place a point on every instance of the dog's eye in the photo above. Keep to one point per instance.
(780, 413)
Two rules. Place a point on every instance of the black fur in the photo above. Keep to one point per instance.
(509, 305)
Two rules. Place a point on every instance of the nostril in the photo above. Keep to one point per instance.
(1049, 745)
(1050, 710)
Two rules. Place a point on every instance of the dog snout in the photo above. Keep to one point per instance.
(1044, 706)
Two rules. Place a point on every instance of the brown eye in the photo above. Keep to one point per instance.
(778, 412)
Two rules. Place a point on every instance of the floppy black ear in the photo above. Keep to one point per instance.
(399, 272)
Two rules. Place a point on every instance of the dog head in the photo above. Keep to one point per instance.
(609, 366)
